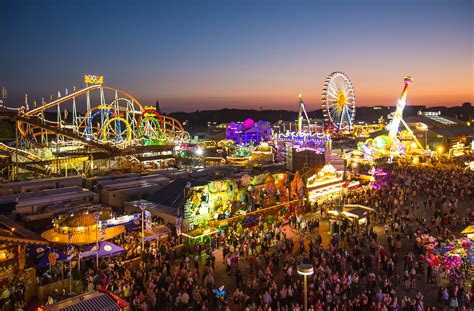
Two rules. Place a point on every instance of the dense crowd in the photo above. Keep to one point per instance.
(358, 269)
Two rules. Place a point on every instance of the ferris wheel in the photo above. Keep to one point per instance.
(339, 102)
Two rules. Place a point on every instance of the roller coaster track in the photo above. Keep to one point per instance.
(38, 110)
(34, 166)
(75, 94)
(69, 133)
(21, 153)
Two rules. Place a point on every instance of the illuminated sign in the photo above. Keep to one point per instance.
(149, 108)
(305, 137)
(93, 79)
(103, 107)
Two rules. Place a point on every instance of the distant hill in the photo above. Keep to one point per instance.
(200, 118)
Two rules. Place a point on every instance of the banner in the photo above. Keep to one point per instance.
(179, 222)
(70, 252)
(148, 221)
(103, 233)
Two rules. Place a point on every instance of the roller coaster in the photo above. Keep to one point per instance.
(55, 136)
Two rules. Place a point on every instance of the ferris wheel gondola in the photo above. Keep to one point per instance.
(339, 102)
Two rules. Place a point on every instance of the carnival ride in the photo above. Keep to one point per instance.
(302, 110)
(115, 124)
(365, 130)
(395, 143)
(338, 102)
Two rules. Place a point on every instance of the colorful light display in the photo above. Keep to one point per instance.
(339, 102)
(397, 117)
(303, 138)
(93, 79)
(222, 199)
(326, 181)
(249, 132)
(390, 145)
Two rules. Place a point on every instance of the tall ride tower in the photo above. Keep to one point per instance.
(302, 111)
(398, 117)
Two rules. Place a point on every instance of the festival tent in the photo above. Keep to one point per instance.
(80, 230)
(105, 249)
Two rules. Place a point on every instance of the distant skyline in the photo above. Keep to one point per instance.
(200, 55)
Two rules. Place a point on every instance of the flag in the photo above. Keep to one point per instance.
(34, 104)
(74, 88)
(179, 223)
(70, 252)
(66, 91)
(59, 94)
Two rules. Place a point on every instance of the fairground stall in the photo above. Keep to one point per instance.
(326, 183)
(14, 268)
(353, 215)
(209, 206)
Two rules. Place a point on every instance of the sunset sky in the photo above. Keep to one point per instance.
(239, 54)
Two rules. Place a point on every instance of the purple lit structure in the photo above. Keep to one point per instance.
(379, 177)
(249, 132)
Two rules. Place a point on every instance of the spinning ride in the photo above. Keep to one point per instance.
(390, 145)
(339, 102)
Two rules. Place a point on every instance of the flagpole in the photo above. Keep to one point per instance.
(70, 262)
(142, 208)
(97, 215)
(50, 265)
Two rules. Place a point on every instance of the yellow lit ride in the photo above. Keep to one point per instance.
(389, 145)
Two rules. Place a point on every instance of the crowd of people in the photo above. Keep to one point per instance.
(374, 267)
(378, 266)
(12, 294)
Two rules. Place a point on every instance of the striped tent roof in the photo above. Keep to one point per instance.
(96, 301)
(83, 220)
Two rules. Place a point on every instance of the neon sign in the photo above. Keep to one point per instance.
(305, 137)
(93, 79)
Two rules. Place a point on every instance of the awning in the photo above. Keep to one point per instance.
(358, 212)
(157, 232)
(106, 249)
(79, 238)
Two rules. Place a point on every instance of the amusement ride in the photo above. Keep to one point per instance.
(392, 144)
(338, 102)
(116, 130)
(54, 135)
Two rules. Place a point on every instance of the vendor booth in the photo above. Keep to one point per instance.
(352, 214)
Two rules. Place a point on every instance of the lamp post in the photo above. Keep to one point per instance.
(305, 270)
(142, 208)
(97, 216)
